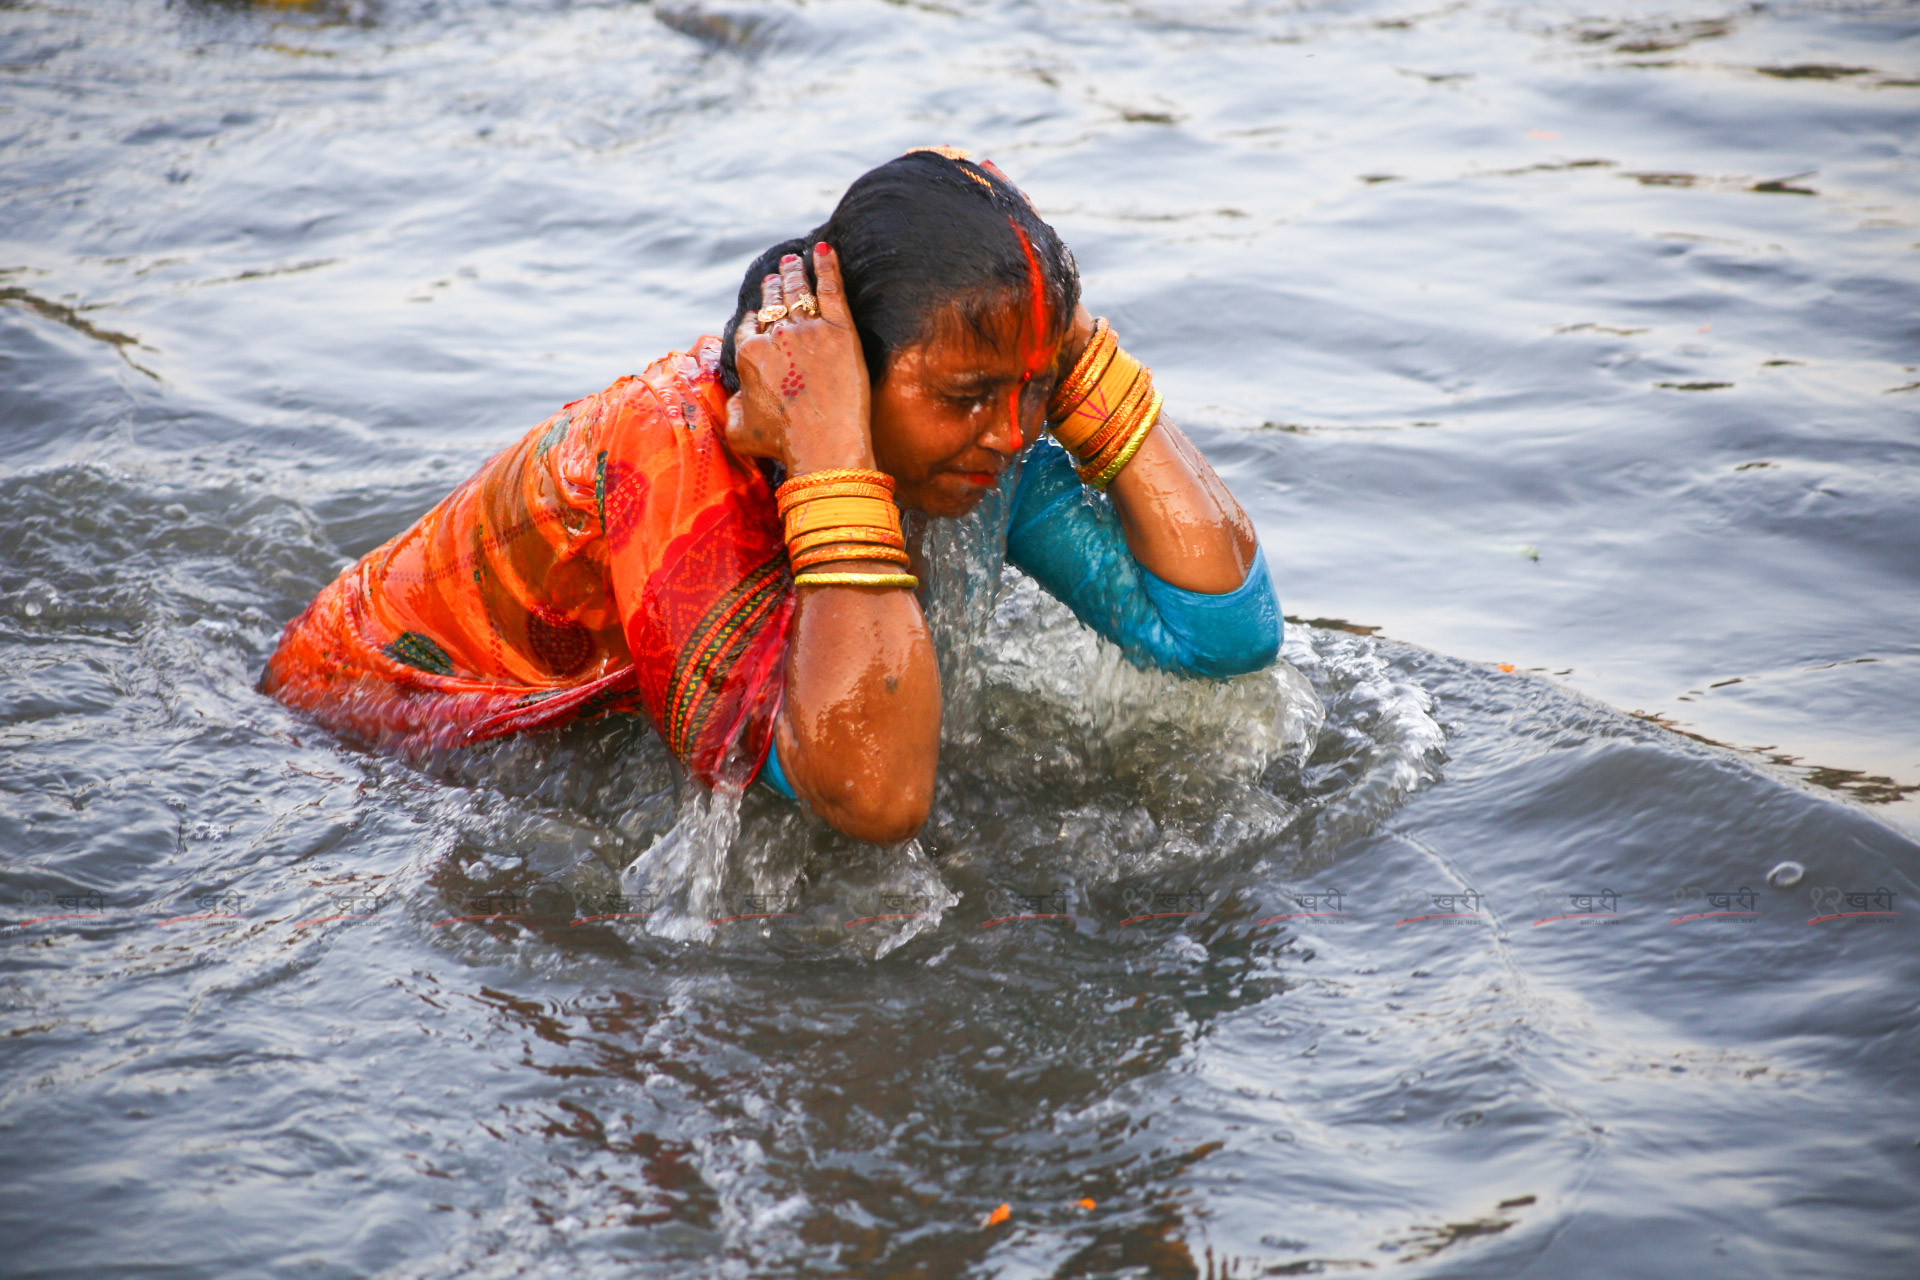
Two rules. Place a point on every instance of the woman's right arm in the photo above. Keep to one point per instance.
(858, 735)
(1070, 538)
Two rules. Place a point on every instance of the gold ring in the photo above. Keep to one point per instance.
(767, 317)
(804, 305)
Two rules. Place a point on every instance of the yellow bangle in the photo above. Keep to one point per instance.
(856, 580)
(1112, 469)
(825, 513)
(845, 533)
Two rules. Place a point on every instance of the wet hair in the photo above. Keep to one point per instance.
(925, 240)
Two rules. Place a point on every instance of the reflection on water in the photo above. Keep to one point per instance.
(1577, 344)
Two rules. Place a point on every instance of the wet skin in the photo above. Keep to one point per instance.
(859, 731)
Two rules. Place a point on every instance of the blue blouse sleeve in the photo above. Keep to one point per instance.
(1068, 538)
(774, 776)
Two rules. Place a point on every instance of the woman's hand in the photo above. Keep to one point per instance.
(1079, 334)
(804, 394)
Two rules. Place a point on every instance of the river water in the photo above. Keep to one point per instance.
(1568, 359)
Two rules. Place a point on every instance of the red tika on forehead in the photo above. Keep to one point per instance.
(1038, 326)
(1038, 316)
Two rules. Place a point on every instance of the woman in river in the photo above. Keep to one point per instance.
(717, 542)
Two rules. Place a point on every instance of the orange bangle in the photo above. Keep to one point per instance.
(1100, 404)
(1104, 477)
(1086, 372)
(1128, 410)
(1114, 428)
(849, 551)
(824, 512)
(846, 533)
(835, 475)
(838, 489)
(1120, 422)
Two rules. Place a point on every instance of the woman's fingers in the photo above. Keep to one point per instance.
(793, 279)
(831, 291)
(749, 328)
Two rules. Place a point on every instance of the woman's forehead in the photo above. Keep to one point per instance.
(997, 347)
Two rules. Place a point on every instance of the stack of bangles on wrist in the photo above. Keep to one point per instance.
(841, 515)
(1103, 410)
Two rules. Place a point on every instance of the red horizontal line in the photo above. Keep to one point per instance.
(212, 915)
(917, 915)
(1004, 919)
(1574, 915)
(1294, 915)
(1443, 915)
(323, 919)
(1844, 914)
(85, 915)
(1162, 915)
(1704, 914)
(764, 915)
(614, 915)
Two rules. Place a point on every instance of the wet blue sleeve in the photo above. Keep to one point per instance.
(1068, 538)
(773, 775)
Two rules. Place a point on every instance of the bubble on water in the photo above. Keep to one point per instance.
(1786, 875)
(37, 597)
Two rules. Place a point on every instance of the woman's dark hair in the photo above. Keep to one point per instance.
(921, 239)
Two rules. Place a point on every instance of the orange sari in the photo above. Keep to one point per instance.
(618, 557)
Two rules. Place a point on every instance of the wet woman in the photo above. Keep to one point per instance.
(717, 542)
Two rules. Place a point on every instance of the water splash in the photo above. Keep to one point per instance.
(683, 877)
(1381, 741)
(959, 562)
(1063, 765)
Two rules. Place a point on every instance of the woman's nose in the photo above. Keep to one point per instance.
(1004, 433)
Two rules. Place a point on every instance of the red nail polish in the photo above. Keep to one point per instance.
(792, 257)
(823, 248)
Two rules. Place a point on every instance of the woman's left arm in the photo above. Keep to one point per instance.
(1180, 522)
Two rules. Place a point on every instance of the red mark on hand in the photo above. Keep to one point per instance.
(793, 384)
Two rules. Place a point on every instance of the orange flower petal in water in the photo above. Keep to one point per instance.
(1087, 1204)
(1506, 666)
(998, 1216)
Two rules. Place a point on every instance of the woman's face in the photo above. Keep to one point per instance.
(953, 410)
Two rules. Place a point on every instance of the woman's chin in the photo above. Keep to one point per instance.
(947, 495)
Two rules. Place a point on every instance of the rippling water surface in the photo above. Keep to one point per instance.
(1568, 358)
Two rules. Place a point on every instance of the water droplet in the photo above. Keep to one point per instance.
(1786, 875)
(38, 598)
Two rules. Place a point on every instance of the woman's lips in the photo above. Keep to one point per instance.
(982, 479)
